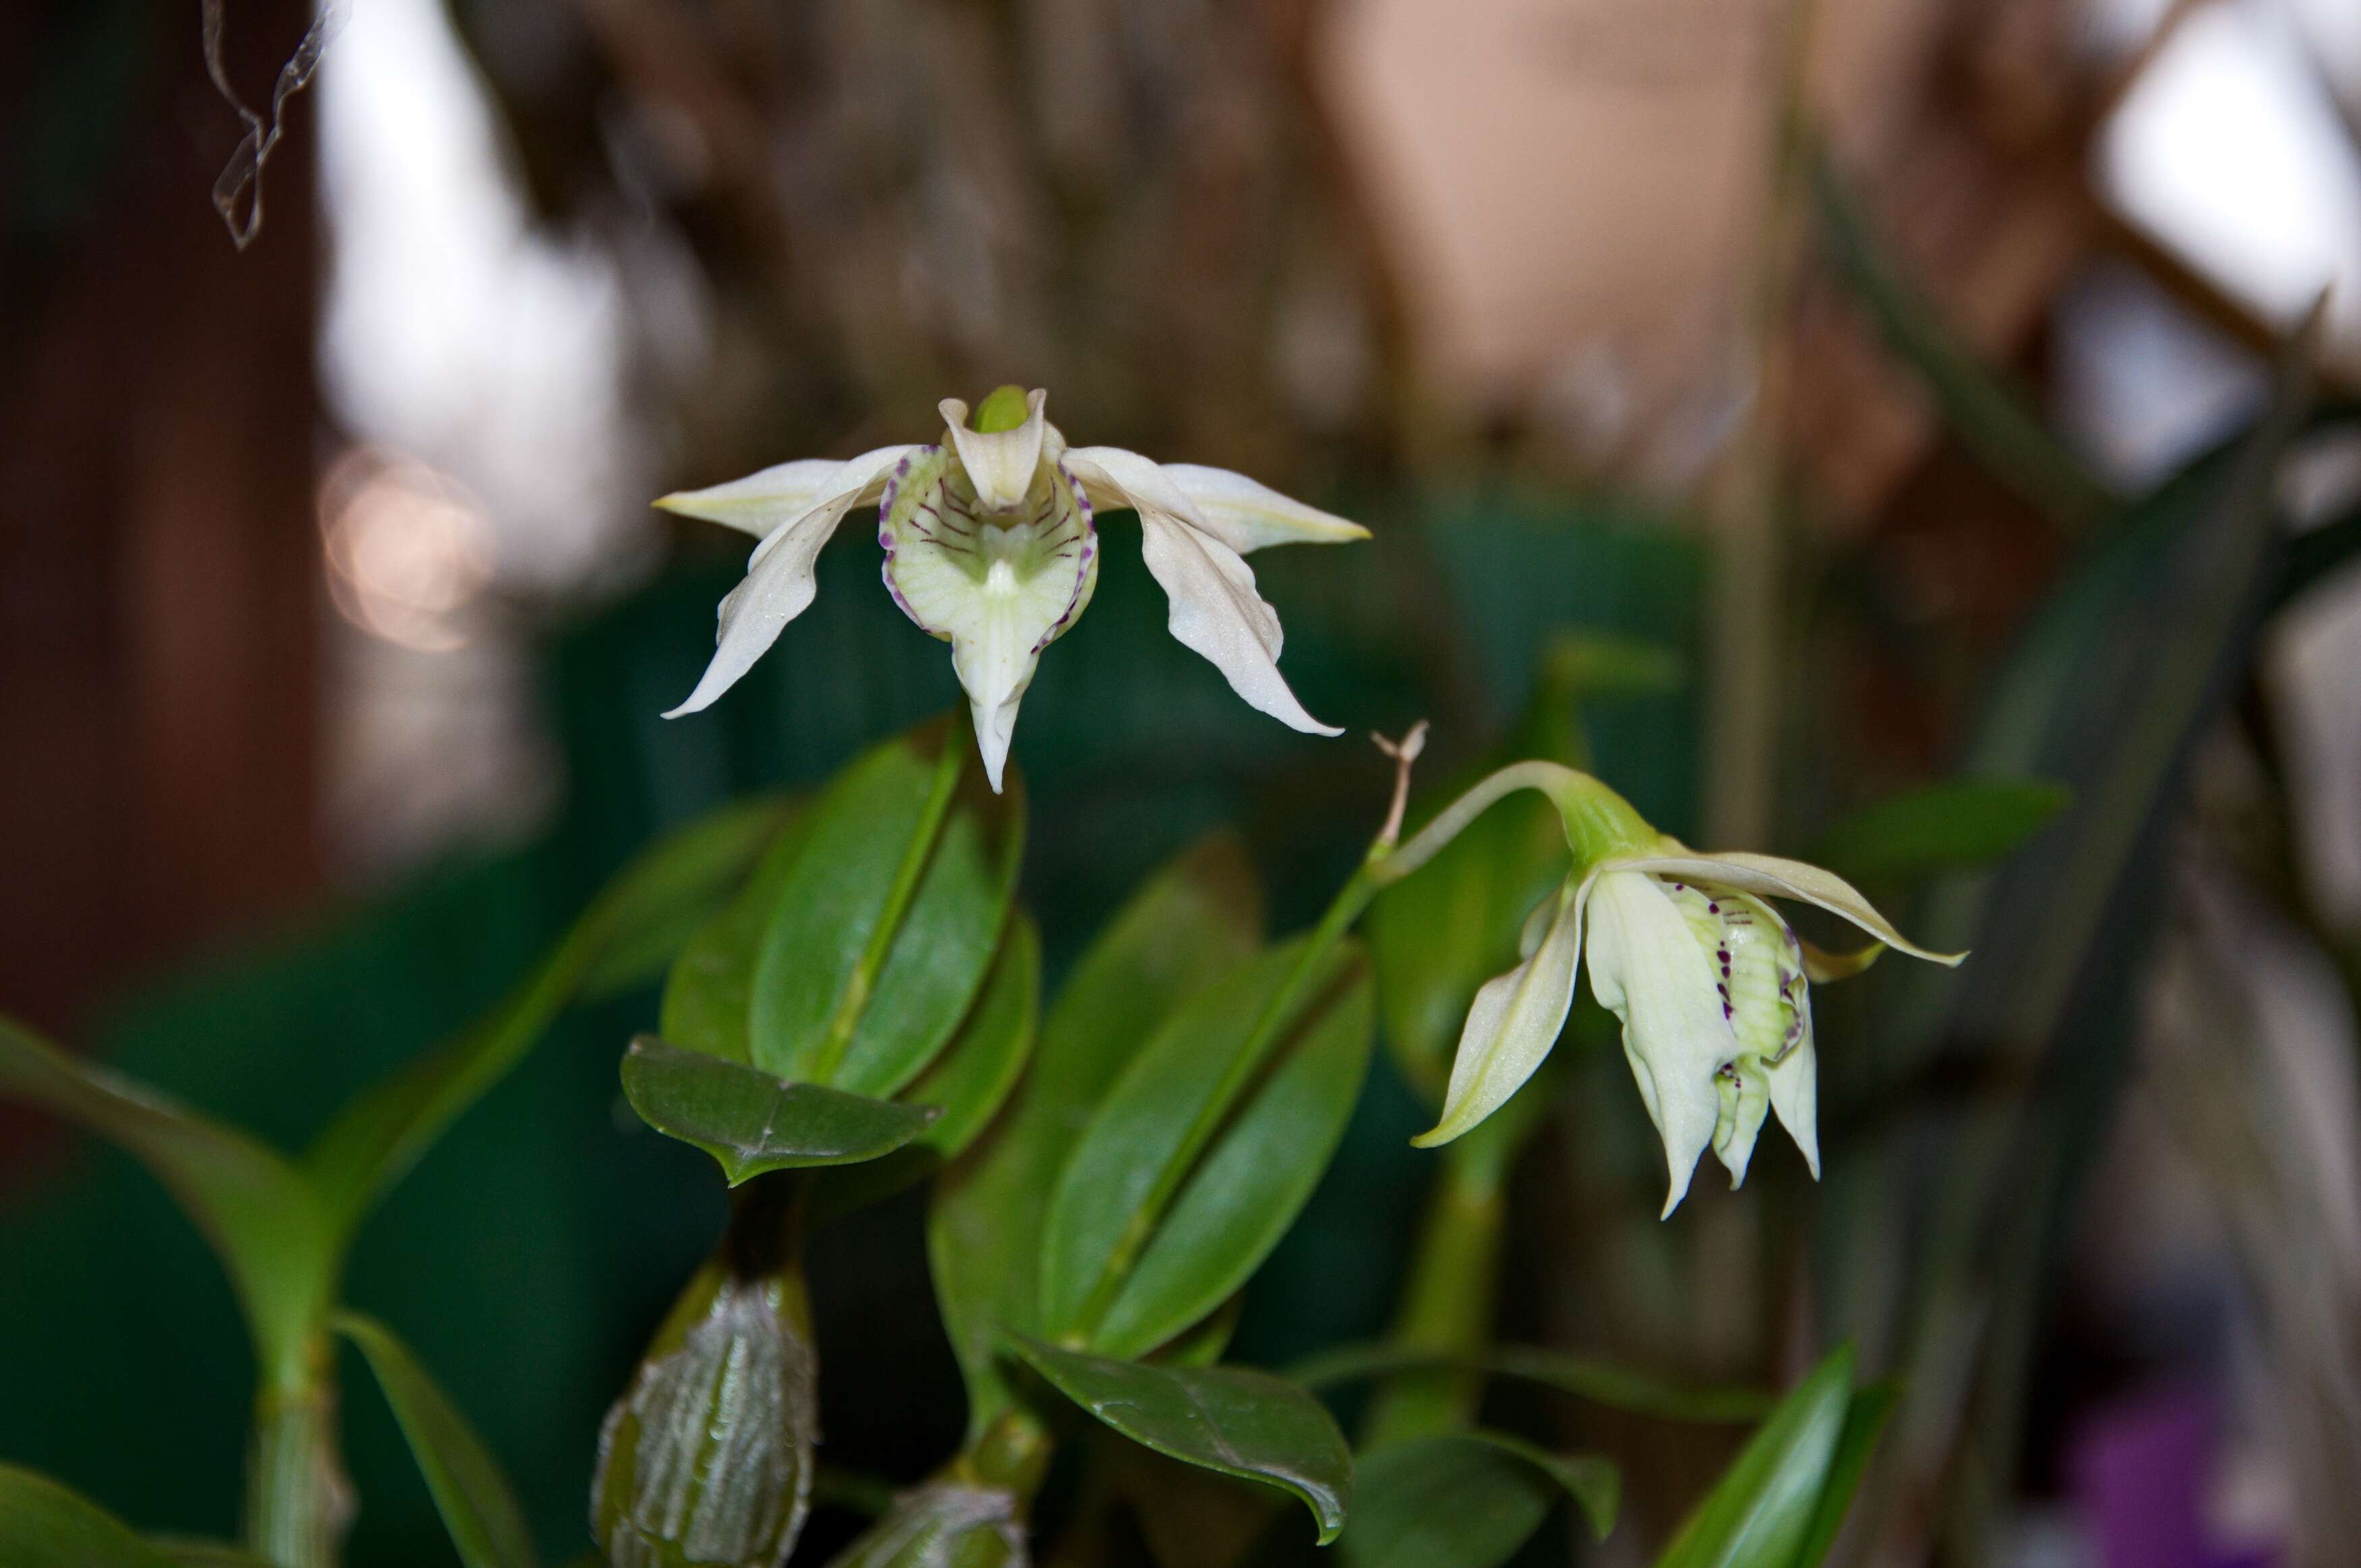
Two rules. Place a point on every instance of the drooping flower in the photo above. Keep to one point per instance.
(990, 544)
(1708, 980)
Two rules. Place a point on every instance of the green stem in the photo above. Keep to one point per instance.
(1350, 901)
(298, 1500)
(1448, 1306)
(1599, 822)
(1012, 1455)
(855, 1000)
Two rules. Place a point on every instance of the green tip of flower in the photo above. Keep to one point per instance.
(1004, 410)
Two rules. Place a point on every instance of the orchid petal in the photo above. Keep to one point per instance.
(1000, 464)
(1772, 877)
(998, 593)
(778, 585)
(1794, 1092)
(1216, 612)
(1744, 1092)
(1647, 969)
(759, 503)
(1112, 476)
(1247, 515)
(1823, 966)
(1512, 1025)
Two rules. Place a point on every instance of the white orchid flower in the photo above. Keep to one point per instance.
(1708, 980)
(990, 546)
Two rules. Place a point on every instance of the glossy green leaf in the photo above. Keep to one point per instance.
(970, 1081)
(710, 986)
(44, 1525)
(1864, 1423)
(478, 1507)
(751, 1122)
(263, 1219)
(1466, 1499)
(1140, 1132)
(1197, 917)
(1951, 825)
(966, 1084)
(705, 1460)
(1230, 1418)
(678, 880)
(1759, 1513)
(1596, 1381)
(1253, 1180)
(884, 929)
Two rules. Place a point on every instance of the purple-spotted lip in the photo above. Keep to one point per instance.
(885, 534)
(1082, 566)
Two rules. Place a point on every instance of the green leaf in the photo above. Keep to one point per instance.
(1864, 1422)
(471, 1493)
(381, 1134)
(1253, 1180)
(263, 1219)
(1466, 1499)
(885, 924)
(1951, 825)
(710, 986)
(1594, 1380)
(751, 1122)
(1759, 1513)
(1240, 1422)
(1195, 918)
(966, 1084)
(1140, 1131)
(1993, 419)
(43, 1525)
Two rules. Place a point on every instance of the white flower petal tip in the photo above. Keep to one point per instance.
(1218, 613)
(1511, 1026)
(995, 728)
(761, 501)
(1249, 515)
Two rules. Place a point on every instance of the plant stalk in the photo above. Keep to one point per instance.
(1448, 1304)
(298, 1501)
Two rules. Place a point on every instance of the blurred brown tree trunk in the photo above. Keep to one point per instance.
(159, 701)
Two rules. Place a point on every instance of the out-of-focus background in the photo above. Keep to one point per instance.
(1837, 346)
